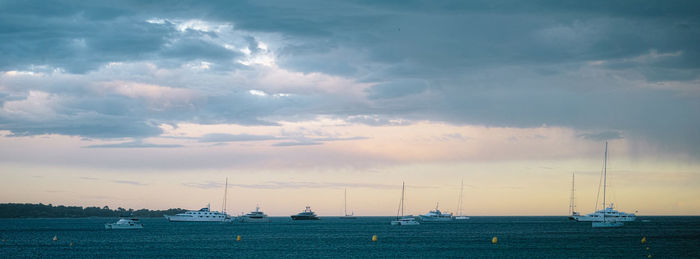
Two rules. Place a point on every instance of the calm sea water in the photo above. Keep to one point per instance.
(519, 237)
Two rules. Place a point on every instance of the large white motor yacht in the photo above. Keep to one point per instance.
(608, 214)
(436, 216)
(202, 215)
(254, 216)
(125, 223)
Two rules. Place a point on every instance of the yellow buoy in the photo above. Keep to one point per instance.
(71, 244)
(55, 238)
(644, 240)
(647, 248)
(374, 238)
(649, 256)
(494, 240)
(238, 238)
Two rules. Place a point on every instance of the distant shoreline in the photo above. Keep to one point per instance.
(29, 210)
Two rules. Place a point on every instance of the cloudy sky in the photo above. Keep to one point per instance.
(147, 104)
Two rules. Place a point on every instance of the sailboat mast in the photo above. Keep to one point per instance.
(403, 188)
(346, 202)
(461, 190)
(223, 208)
(605, 176)
(572, 206)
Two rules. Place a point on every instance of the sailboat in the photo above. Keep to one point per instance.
(403, 220)
(608, 216)
(352, 214)
(459, 206)
(572, 202)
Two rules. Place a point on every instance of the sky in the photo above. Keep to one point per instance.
(149, 104)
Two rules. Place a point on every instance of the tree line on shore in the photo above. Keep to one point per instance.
(28, 210)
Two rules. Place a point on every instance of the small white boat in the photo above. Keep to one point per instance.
(125, 223)
(352, 214)
(459, 205)
(254, 216)
(436, 216)
(403, 220)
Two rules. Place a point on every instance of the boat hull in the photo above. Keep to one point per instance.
(599, 218)
(404, 223)
(297, 217)
(435, 219)
(253, 219)
(192, 219)
(461, 217)
(123, 226)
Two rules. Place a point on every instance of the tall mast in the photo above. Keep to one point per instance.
(223, 208)
(572, 205)
(605, 176)
(346, 202)
(403, 188)
(461, 190)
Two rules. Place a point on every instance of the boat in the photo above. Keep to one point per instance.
(572, 202)
(436, 216)
(307, 214)
(125, 223)
(352, 214)
(254, 216)
(403, 220)
(608, 216)
(202, 215)
(459, 205)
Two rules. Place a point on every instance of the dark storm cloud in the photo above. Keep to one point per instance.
(626, 66)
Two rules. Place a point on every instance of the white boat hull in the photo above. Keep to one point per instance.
(435, 219)
(193, 219)
(597, 217)
(405, 222)
(123, 226)
(244, 219)
(461, 218)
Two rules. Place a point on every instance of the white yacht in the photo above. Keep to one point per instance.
(608, 216)
(403, 220)
(436, 216)
(202, 215)
(254, 216)
(459, 206)
(125, 223)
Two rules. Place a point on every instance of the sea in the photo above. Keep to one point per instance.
(331, 237)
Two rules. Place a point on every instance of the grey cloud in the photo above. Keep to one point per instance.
(223, 137)
(494, 63)
(297, 143)
(134, 144)
(604, 135)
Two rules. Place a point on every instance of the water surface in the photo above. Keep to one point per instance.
(523, 237)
